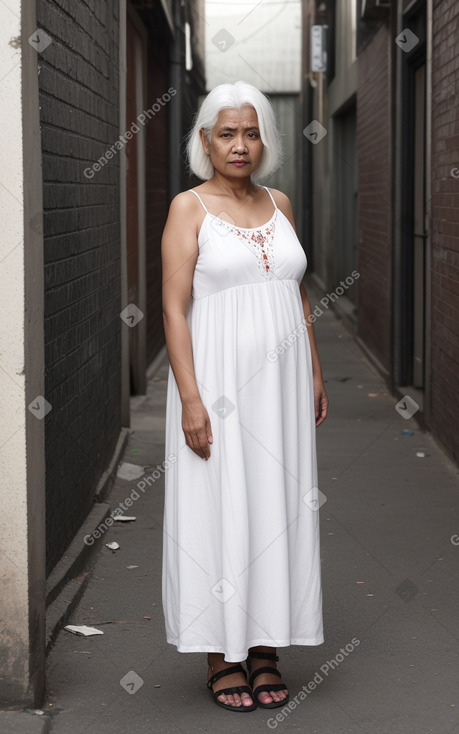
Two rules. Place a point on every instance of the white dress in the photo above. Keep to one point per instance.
(241, 549)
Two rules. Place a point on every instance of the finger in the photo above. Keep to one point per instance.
(203, 443)
(322, 415)
(205, 435)
(200, 445)
(210, 438)
(194, 444)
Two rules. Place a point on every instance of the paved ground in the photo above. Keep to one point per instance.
(390, 661)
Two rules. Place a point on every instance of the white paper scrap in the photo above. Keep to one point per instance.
(129, 471)
(113, 545)
(124, 518)
(83, 630)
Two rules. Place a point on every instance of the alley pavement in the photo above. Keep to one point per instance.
(390, 560)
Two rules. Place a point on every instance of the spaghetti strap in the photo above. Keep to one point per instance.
(206, 209)
(275, 205)
(196, 194)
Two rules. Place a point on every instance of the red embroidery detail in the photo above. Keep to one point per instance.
(262, 241)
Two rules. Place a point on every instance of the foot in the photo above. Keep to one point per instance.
(216, 663)
(266, 678)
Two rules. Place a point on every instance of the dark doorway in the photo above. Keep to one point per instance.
(413, 230)
(346, 192)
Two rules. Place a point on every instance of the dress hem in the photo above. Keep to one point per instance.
(240, 657)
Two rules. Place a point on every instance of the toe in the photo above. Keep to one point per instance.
(265, 697)
(282, 695)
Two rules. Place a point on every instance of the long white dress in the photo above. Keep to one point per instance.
(241, 549)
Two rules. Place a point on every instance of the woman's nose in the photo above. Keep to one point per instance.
(240, 146)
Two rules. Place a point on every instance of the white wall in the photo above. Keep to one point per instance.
(22, 500)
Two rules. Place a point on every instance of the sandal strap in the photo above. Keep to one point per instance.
(226, 671)
(258, 671)
(263, 655)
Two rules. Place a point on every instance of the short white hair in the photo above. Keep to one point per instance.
(235, 96)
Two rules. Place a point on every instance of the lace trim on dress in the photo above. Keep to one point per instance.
(260, 239)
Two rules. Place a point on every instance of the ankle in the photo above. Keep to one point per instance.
(272, 651)
(263, 648)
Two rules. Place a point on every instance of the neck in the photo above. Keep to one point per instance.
(234, 186)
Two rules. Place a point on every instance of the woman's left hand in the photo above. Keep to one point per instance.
(320, 401)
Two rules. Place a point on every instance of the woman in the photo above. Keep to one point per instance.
(241, 560)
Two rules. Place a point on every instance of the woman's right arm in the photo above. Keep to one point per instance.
(179, 250)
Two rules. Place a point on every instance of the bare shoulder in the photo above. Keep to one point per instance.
(283, 203)
(279, 197)
(184, 203)
(185, 208)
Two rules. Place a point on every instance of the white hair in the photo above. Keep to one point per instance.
(234, 96)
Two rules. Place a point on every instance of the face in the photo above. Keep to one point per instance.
(235, 147)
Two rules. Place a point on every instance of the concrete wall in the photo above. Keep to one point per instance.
(22, 402)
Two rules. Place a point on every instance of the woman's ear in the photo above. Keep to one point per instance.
(204, 141)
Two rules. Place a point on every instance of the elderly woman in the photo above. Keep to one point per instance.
(241, 560)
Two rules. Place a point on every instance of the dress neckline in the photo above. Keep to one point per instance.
(245, 229)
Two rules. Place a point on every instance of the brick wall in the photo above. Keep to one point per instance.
(445, 225)
(374, 217)
(374, 214)
(79, 118)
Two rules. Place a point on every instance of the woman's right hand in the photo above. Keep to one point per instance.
(196, 427)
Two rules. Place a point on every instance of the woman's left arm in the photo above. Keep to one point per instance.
(320, 396)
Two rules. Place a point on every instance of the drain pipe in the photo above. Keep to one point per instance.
(176, 70)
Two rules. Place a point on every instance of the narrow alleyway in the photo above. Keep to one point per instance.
(390, 661)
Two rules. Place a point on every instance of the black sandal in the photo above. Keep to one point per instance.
(235, 689)
(268, 686)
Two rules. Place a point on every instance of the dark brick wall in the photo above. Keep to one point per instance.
(374, 212)
(79, 118)
(445, 225)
